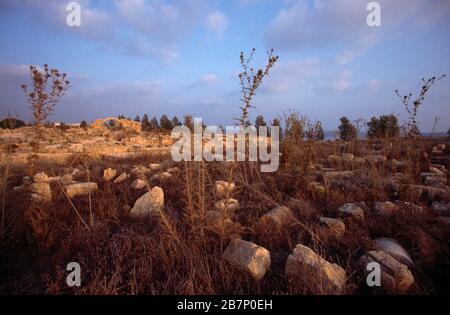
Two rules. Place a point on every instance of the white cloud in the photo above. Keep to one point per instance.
(217, 23)
(320, 24)
(207, 79)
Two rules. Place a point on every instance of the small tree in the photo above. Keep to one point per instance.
(11, 123)
(84, 124)
(154, 125)
(48, 87)
(145, 123)
(386, 126)
(347, 131)
(188, 121)
(175, 121)
(259, 121)
(165, 123)
(137, 119)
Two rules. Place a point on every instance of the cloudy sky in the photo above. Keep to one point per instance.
(176, 57)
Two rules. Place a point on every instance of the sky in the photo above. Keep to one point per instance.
(181, 57)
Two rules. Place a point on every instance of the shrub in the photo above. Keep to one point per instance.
(83, 124)
(386, 126)
(165, 123)
(11, 123)
(175, 121)
(347, 131)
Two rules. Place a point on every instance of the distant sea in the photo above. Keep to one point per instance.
(332, 135)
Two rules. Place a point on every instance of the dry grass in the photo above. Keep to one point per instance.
(175, 254)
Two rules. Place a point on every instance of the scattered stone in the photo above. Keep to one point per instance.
(41, 178)
(224, 189)
(122, 177)
(227, 205)
(248, 256)
(140, 170)
(393, 248)
(138, 184)
(395, 276)
(279, 216)
(336, 226)
(353, 210)
(438, 171)
(385, 209)
(109, 174)
(173, 170)
(81, 189)
(441, 147)
(161, 176)
(318, 275)
(441, 208)
(155, 166)
(41, 192)
(149, 204)
(433, 192)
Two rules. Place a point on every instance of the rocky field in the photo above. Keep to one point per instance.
(138, 223)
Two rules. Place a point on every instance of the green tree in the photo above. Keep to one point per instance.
(188, 121)
(154, 125)
(165, 123)
(137, 119)
(84, 124)
(176, 121)
(347, 131)
(145, 123)
(259, 122)
(386, 126)
(11, 123)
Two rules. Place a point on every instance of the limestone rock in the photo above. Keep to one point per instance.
(41, 192)
(155, 166)
(393, 248)
(121, 178)
(81, 189)
(395, 276)
(314, 272)
(219, 223)
(109, 174)
(336, 226)
(279, 216)
(162, 176)
(353, 210)
(385, 209)
(149, 204)
(138, 184)
(248, 256)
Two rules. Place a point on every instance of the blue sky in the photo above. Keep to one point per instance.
(177, 57)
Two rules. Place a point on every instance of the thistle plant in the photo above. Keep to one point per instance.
(250, 80)
(412, 109)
